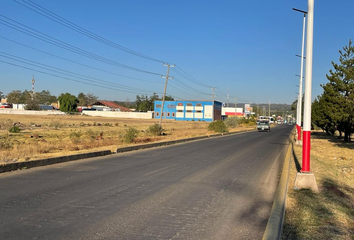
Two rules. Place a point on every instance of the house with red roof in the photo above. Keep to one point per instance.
(109, 106)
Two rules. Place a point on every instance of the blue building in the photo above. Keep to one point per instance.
(189, 110)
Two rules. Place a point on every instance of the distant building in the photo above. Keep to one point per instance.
(109, 106)
(231, 111)
(191, 110)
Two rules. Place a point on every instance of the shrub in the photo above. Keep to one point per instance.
(246, 121)
(14, 129)
(155, 129)
(92, 135)
(5, 142)
(55, 125)
(32, 105)
(130, 135)
(217, 126)
(75, 136)
(231, 122)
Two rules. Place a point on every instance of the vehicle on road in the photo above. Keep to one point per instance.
(263, 125)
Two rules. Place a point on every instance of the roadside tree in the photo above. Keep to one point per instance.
(14, 96)
(145, 103)
(336, 104)
(45, 97)
(68, 102)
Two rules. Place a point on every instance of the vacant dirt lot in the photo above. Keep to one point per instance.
(58, 135)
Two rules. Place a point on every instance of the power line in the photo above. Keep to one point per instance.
(187, 87)
(181, 72)
(179, 89)
(81, 64)
(46, 38)
(68, 73)
(64, 22)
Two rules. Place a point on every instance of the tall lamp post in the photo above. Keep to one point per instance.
(306, 179)
(299, 99)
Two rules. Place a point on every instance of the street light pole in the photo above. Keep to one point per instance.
(308, 89)
(299, 99)
(305, 178)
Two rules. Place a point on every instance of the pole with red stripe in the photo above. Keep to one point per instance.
(306, 146)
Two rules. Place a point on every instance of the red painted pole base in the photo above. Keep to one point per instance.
(298, 129)
(306, 146)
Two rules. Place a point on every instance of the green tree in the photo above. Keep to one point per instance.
(68, 102)
(26, 97)
(86, 99)
(32, 104)
(81, 97)
(336, 104)
(14, 96)
(45, 97)
(145, 103)
(1, 95)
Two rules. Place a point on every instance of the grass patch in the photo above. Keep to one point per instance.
(328, 214)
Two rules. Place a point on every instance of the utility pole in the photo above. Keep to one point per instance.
(269, 110)
(164, 92)
(33, 81)
(213, 95)
(227, 96)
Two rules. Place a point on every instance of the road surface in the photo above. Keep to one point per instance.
(219, 188)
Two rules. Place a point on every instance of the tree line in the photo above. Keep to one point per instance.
(334, 109)
(69, 102)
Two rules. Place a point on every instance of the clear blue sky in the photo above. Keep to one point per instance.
(246, 46)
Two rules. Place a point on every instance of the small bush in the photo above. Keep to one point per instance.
(246, 121)
(231, 122)
(92, 135)
(155, 130)
(5, 142)
(55, 125)
(14, 129)
(217, 126)
(130, 135)
(75, 136)
(32, 105)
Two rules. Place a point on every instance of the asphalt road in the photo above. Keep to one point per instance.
(219, 188)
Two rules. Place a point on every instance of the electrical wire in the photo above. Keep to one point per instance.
(185, 75)
(64, 22)
(68, 60)
(68, 73)
(46, 38)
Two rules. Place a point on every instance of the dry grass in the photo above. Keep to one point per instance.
(328, 214)
(48, 136)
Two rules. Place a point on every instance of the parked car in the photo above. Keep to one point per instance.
(5, 105)
(263, 125)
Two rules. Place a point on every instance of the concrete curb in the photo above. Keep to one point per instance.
(49, 161)
(276, 219)
(43, 162)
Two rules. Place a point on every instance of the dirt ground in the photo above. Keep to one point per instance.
(58, 135)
